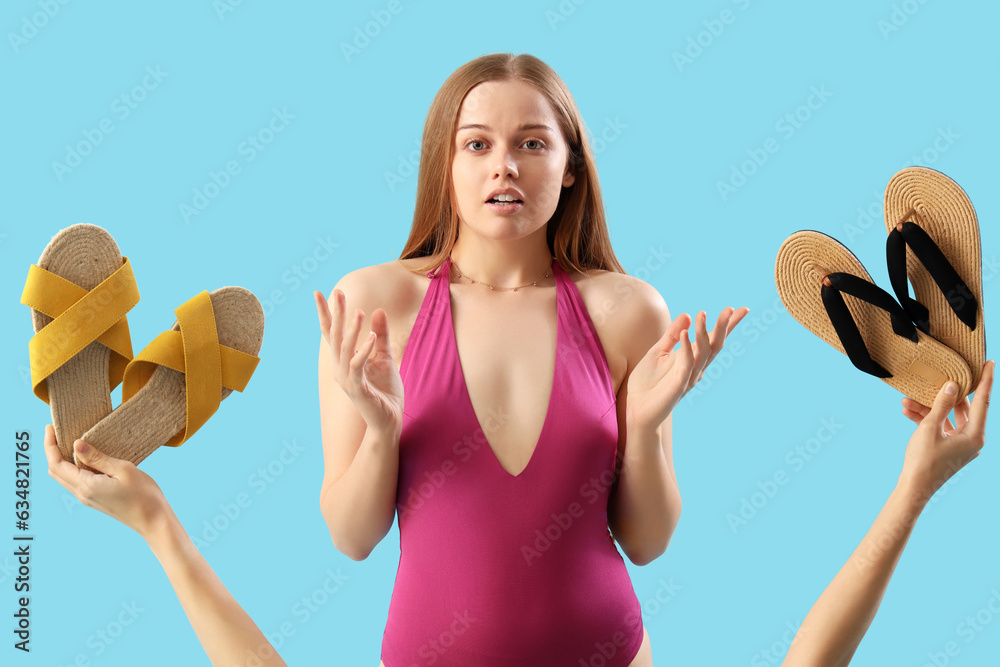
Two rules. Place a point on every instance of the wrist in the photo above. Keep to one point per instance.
(640, 428)
(161, 531)
(913, 490)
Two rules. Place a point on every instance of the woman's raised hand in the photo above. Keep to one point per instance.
(661, 378)
(123, 492)
(938, 448)
(367, 373)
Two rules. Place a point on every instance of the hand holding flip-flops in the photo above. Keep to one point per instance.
(938, 448)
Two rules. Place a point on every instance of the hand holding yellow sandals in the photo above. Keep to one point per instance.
(79, 293)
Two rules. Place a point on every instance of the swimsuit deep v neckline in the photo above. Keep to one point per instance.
(465, 386)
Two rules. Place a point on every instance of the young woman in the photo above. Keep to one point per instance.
(512, 476)
(530, 364)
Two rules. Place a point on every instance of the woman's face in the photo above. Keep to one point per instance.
(516, 143)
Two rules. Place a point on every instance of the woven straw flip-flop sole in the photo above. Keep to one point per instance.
(79, 394)
(158, 410)
(943, 210)
(918, 369)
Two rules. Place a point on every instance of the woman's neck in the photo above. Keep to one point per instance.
(503, 265)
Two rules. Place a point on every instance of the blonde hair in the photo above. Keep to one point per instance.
(577, 234)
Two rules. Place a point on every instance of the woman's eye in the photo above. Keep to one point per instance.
(472, 144)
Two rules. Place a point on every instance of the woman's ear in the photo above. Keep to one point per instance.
(569, 177)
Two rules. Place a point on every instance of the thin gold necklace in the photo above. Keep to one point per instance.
(510, 289)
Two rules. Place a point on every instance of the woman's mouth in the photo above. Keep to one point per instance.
(504, 207)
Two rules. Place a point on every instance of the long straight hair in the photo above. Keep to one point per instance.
(577, 233)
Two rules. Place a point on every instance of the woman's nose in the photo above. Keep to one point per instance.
(506, 164)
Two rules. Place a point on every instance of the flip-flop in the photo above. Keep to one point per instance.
(79, 293)
(860, 319)
(176, 382)
(931, 214)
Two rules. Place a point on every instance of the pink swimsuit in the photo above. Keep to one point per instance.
(497, 569)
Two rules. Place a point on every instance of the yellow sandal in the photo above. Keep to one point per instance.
(79, 292)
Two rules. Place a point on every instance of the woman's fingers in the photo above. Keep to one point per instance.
(704, 350)
(337, 325)
(976, 426)
(723, 325)
(98, 460)
(913, 406)
(325, 318)
(54, 456)
(914, 417)
(962, 413)
(358, 362)
(684, 360)
(737, 317)
(349, 344)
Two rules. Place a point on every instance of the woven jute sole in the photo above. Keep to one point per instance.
(79, 394)
(942, 209)
(158, 410)
(918, 369)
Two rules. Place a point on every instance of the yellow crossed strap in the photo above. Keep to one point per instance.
(79, 318)
(195, 351)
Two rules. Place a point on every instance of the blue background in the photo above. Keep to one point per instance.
(897, 77)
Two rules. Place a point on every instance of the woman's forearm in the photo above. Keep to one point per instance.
(834, 627)
(646, 505)
(228, 635)
(360, 506)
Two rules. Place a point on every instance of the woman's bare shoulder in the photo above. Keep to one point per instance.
(620, 305)
(389, 285)
(610, 295)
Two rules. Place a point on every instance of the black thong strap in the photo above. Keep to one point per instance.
(847, 328)
(955, 290)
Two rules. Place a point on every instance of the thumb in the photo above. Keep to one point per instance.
(945, 400)
(96, 459)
